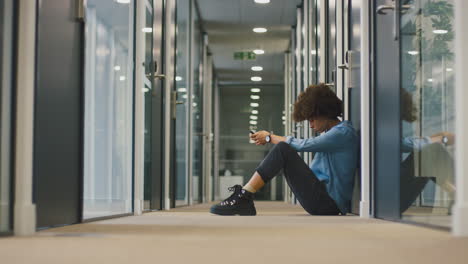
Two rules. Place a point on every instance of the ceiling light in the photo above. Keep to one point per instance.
(178, 78)
(254, 104)
(258, 51)
(430, 80)
(253, 117)
(259, 30)
(254, 112)
(257, 68)
(440, 31)
(449, 69)
(256, 78)
(182, 90)
(313, 52)
(255, 90)
(255, 97)
(145, 90)
(122, 78)
(283, 117)
(262, 1)
(147, 30)
(117, 68)
(123, 1)
(253, 122)
(413, 52)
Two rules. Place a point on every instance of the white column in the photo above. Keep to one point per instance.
(169, 62)
(364, 206)
(24, 209)
(460, 210)
(139, 109)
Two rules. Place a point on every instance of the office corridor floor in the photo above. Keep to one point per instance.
(280, 233)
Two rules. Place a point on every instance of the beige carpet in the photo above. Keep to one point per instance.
(279, 234)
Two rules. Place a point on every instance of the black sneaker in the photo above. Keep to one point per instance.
(239, 203)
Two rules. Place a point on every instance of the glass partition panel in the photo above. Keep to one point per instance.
(197, 109)
(6, 37)
(108, 108)
(427, 111)
(181, 84)
(148, 91)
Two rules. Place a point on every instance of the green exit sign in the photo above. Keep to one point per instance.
(244, 55)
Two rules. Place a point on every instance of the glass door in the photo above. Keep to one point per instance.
(153, 94)
(414, 146)
(6, 82)
(427, 111)
(182, 102)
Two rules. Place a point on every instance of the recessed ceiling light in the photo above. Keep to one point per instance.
(123, 1)
(117, 68)
(430, 80)
(256, 78)
(253, 117)
(182, 90)
(255, 90)
(122, 78)
(283, 117)
(440, 31)
(178, 78)
(255, 97)
(449, 69)
(258, 51)
(147, 30)
(313, 52)
(413, 52)
(257, 68)
(254, 112)
(259, 30)
(253, 122)
(262, 1)
(254, 104)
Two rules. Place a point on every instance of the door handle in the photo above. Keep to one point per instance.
(174, 103)
(343, 67)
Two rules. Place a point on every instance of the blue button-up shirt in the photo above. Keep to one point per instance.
(335, 160)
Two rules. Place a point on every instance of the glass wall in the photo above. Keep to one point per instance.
(181, 116)
(6, 65)
(197, 107)
(427, 111)
(109, 93)
(148, 91)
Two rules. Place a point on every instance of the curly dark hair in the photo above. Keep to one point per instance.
(317, 101)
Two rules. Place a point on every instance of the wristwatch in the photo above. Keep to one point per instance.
(445, 140)
(268, 138)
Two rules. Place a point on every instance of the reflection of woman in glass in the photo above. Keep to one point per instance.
(434, 162)
(324, 188)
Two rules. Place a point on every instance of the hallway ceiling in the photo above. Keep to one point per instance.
(229, 25)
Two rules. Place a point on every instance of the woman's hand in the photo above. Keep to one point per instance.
(259, 137)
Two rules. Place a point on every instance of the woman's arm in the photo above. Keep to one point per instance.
(260, 138)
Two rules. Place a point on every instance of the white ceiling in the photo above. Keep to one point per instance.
(229, 26)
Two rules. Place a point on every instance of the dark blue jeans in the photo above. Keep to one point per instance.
(309, 191)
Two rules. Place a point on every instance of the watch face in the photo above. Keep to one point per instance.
(267, 138)
(444, 139)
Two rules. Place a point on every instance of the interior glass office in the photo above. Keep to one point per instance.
(108, 136)
(6, 82)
